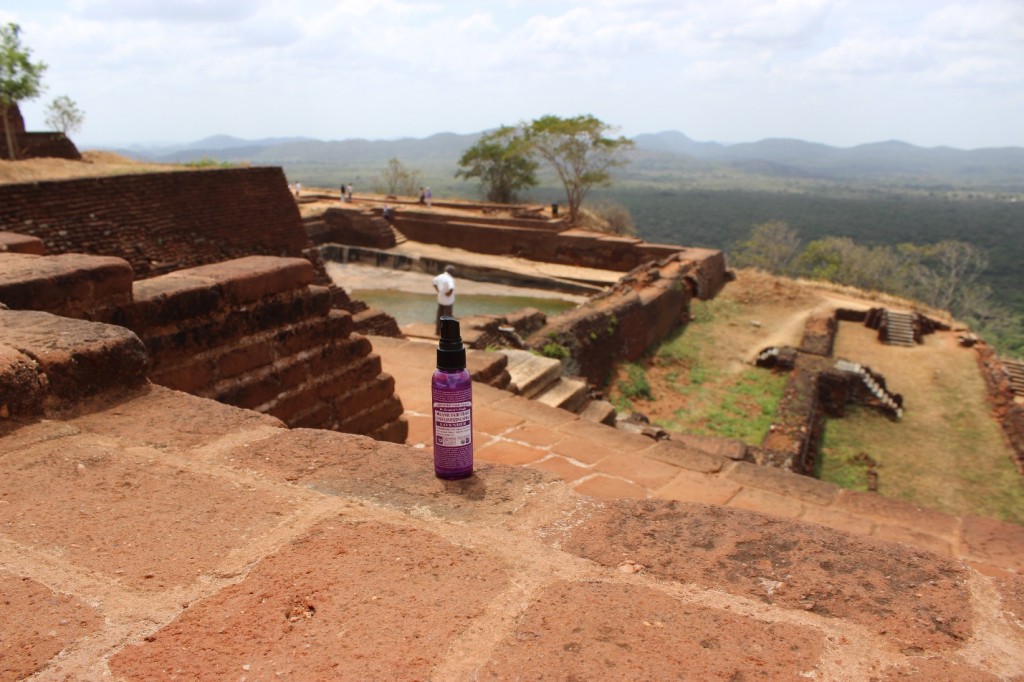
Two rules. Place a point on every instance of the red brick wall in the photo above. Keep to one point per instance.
(621, 325)
(160, 222)
(533, 240)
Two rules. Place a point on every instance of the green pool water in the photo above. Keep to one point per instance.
(407, 308)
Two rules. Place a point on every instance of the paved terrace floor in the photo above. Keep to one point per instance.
(152, 535)
(604, 462)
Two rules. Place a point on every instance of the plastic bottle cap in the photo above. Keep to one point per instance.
(451, 354)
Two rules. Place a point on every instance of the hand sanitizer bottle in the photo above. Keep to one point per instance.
(452, 396)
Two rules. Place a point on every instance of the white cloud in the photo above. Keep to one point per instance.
(399, 67)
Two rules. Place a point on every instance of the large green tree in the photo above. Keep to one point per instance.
(20, 78)
(580, 150)
(501, 161)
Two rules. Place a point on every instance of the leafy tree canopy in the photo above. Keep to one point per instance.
(20, 78)
(580, 151)
(501, 161)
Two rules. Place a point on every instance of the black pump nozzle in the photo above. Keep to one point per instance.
(451, 354)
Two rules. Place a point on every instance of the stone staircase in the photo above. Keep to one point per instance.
(1015, 370)
(540, 378)
(399, 237)
(899, 328)
(874, 385)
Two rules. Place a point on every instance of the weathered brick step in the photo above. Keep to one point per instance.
(182, 338)
(296, 402)
(265, 346)
(264, 383)
(565, 393)
(531, 374)
(78, 359)
(600, 411)
(1015, 370)
(399, 237)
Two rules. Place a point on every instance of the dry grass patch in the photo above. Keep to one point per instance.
(947, 453)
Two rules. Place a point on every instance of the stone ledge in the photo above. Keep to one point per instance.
(72, 285)
(783, 482)
(685, 457)
(21, 387)
(248, 279)
(21, 243)
(79, 359)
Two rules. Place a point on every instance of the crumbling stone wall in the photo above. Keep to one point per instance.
(537, 240)
(1007, 410)
(621, 325)
(34, 145)
(355, 227)
(161, 222)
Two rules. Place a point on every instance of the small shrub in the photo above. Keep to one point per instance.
(554, 350)
(636, 385)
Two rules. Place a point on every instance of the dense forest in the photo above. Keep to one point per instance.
(723, 218)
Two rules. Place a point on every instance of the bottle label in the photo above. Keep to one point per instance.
(453, 428)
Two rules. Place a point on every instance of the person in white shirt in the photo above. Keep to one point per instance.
(444, 285)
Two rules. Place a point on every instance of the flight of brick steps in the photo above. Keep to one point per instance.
(399, 237)
(880, 392)
(540, 378)
(899, 328)
(1015, 370)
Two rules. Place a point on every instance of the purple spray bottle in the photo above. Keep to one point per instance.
(452, 397)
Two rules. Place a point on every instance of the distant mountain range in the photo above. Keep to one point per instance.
(666, 152)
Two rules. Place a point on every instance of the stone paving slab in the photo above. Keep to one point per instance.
(105, 487)
(917, 598)
(357, 616)
(37, 624)
(597, 631)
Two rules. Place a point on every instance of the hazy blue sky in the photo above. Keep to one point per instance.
(842, 72)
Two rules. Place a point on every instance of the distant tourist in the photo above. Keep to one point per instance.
(350, 192)
(428, 196)
(444, 284)
(423, 196)
(298, 188)
(342, 195)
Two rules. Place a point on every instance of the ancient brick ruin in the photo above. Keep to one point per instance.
(161, 222)
(34, 145)
(230, 300)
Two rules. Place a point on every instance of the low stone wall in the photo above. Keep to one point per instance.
(161, 222)
(353, 226)
(534, 240)
(33, 145)
(1007, 410)
(794, 437)
(20, 243)
(819, 335)
(42, 146)
(253, 332)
